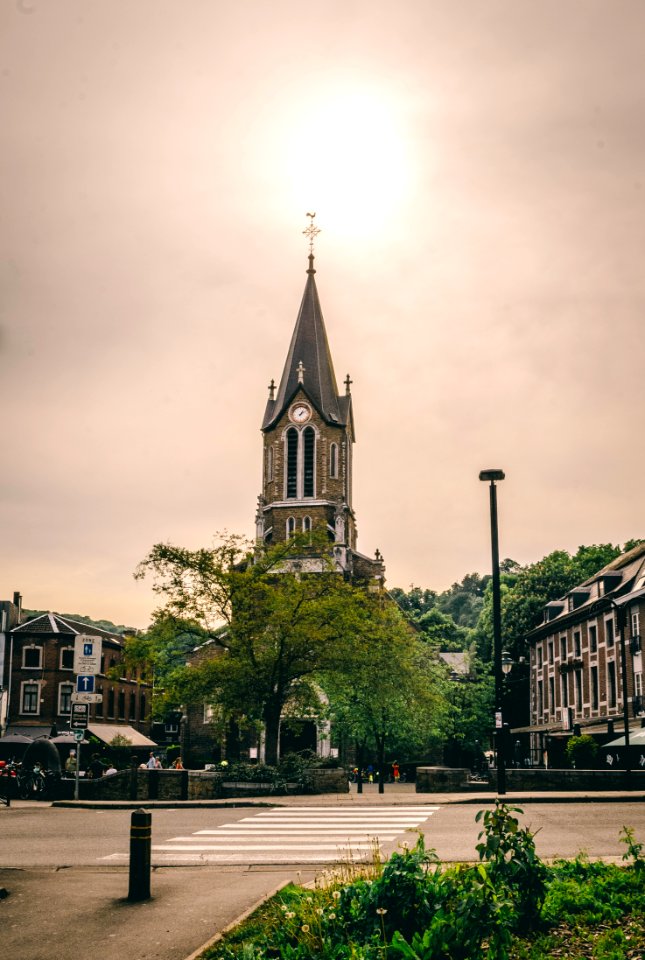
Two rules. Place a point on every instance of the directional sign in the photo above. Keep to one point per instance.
(80, 716)
(85, 684)
(78, 735)
(87, 654)
(87, 698)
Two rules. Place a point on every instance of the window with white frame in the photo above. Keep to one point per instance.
(540, 698)
(539, 656)
(563, 649)
(594, 688)
(577, 644)
(550, 649)
(636, 623)
(333, 460)
(30, 697)
(65, 691)
(609, 632)
(611, 683)
(578, 689)
(592, 632)
(551, 694)
(67, 658)
(564, 690)
(32, 657)
(306, 525)
(638, 684)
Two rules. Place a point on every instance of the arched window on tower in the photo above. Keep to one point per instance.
(291, 526)
(333, 460)
(309, 439)
(269, 464)
(306, 525)
(292, 463)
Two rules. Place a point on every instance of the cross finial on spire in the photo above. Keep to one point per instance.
(348, 384)
(272, 390)
(301, 372)
(311, 232)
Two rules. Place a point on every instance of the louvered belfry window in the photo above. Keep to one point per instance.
(292, 463)
(309, 437)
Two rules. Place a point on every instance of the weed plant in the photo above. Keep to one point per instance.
(508, 906)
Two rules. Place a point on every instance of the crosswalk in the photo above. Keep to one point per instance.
(295, 835)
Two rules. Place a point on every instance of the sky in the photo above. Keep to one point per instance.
(477, 170)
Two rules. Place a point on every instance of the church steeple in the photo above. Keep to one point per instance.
(308, 432)
(309, 364)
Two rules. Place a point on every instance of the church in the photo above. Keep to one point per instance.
(308, 437)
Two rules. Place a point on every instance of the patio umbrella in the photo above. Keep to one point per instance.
(13, 745)
(66, 739)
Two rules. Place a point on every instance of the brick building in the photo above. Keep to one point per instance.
(38, 680)
(579, 682)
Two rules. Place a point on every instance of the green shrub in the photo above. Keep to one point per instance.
(581, 751)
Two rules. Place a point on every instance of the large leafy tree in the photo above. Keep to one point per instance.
(279, 618)
(386, 698)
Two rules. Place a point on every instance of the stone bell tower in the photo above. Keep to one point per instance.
(308, 438)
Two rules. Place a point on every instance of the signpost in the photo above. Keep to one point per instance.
(87, 663)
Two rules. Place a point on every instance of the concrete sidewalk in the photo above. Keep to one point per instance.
(394, 793)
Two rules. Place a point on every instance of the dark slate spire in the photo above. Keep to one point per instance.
(309, 365)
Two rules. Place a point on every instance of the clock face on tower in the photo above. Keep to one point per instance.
(300, 413)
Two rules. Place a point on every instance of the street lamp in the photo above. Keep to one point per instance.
(491, 476)
(621, 616)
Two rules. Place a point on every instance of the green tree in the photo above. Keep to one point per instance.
(386, 697)
(287, 617)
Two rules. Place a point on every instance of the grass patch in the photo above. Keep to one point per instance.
(508, 906)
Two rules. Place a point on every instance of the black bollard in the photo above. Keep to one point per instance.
(140, 844)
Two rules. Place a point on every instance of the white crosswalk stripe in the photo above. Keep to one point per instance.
(295, 835)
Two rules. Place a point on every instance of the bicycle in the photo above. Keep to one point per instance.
(31, 784)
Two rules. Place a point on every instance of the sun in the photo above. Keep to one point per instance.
(347, 157)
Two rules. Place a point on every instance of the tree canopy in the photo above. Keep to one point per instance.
(275, 623)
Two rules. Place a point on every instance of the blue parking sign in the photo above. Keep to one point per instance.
(85, 684)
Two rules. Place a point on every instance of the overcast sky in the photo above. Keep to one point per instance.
(478, 174)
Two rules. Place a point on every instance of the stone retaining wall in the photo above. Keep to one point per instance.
(527, 780)
(137, 784)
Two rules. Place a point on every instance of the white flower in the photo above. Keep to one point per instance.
(332, 916)
(290, 915)
(381, 911)
(305, 928)
(336, 894)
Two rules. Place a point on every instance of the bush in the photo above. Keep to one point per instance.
(581, 751)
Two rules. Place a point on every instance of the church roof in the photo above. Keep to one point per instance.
(309, 365)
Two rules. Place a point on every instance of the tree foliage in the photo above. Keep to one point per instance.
(275, 623)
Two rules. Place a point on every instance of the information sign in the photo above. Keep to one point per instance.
(80, 716)
(87, 654)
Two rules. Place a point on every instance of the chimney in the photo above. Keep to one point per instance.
(17, 602)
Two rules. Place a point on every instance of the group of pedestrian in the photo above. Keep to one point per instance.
(96, 768)
(154, 763)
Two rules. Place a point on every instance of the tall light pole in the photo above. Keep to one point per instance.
(621, 616)
(491, 476)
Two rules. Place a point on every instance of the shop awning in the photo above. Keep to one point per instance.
(636, 739)
(108, 731)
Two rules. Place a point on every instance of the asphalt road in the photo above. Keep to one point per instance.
(37, 835)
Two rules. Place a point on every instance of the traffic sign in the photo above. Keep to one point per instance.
(78, 735)
(87, 698)
(80, 716)
(87, 654)
(85, 684)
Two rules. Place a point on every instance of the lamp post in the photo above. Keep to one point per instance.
(621, 616)
(491, 476)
